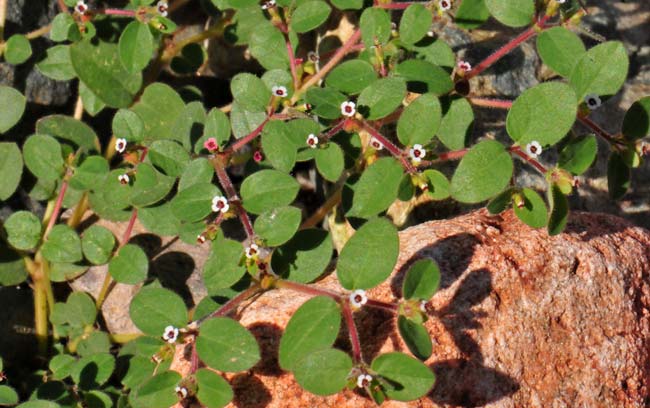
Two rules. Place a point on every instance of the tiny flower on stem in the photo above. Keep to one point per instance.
(268, 4)
(120, 145)
(170, 334)
(279, 91)
(534, 149)
(257, 156)
(464, 66)
(220, 204)
(252, 250)
(181, 392)
(348, 108)
(124, 178)
(81, 7)
(364, 380)
(376, 144)
(417, 153)
(593, 101)
(444, 5)
(423, 306)
(313, 57)
(200, 239)
(312, 141)
(358, 298)
(162, 8)
(211, 144)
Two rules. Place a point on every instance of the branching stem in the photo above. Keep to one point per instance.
(394, 150)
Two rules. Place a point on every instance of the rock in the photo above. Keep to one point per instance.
(521, 319)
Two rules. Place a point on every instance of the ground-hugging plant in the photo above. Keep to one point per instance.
(378, 116)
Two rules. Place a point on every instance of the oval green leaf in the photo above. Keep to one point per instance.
(601, 71)
(416, 337)
(214, 391)
(305, 257)
(421, 280)
(377, 188)
(153, 309)
(323, 372)
(278, 225)
(130, 265)
(419, 121)
(23, 230)
(513, 13)
(560, 49)
(268, 189)
(534, 212)
(225, 345)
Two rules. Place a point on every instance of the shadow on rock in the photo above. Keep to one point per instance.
(268, 337)
(249, 392)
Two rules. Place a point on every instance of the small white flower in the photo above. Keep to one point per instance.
(444, 5)
(534, 149)
(364, 380)
(268, 4)
(220, 204)
(200, 239)
(430, 33)
(120, 145)
(170, 334)
(423, 306)
(162, 8)
(313, 57)
(252, 250)
(181, 392)
(593, 101)
(312, 141)
(376, 144)
(348, 108)
(358, 298)
(464, 66)
(279, 91)
(561, 1)
(417, 152)
(123, 178)
(81, 7)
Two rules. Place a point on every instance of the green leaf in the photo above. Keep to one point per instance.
(214, 391)
(150, 186)
(347, 4)
(305, 257)
(471, 14)
(217, 125)
(243, 122)
(195, 202)
(419, 121)
(92, 171)
(278, 146)
(513, 13)
(381, 98)
(13, 106)
(61, 27)
(377, 188)
(416, 337)
(413, 378)
(70, 129)
(602, 70)
(61, 366)
(62, 245)
(12, 267)
(268, 46)
(225, 345)
(578, 155)
(369, 256)
(268, 189)
(415, 23)
(95, 342)
(618, 176)
(80, 309)
(482, 173)
(130, 265)
(559, 210)
(98, 399)
(501, 202)
(375, 26)
(636, 123)
(326, 102)
(309, 15)
(313, 327)
(169, 156)
(8, 396)
(153, 309)
(62, 271)
(135, 47)
(57, 64)
(544, 114)
(438, 184)
(39, 404)
(189, 124)
(198, 171)
(23, 230)
(560, 49)
(324, 372)
(128, 125)
(157, 391)
(160, 220)
(17, 49)
(98, 66)
(351, 76)
(189, 60)
(421, 280)
(330, 161)
(92, 104)
(92, 371)
(457, 122)
(159, 107)
(534, 212)
(278, 225)
(250, 91)
(435, 51)
(222, 269)
(11, 168)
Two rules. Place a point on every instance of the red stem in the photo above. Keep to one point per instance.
(334, 130)
(129, 227)
(382, 305)
(309, 290)
(233, 198)
(394, 150)
(119, 12)
(491, 103)
(246, 139)
(57, 209)
(245, 219)
(537, 165)
(352, 330)
(292, 65)
(230, 305)
(598, 130)
(507, 48)
(398, 6)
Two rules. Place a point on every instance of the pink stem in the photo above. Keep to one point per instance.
(307, 289)
(507, 48)
(57, 209)
(119, 12)
(491, 103)
(292, 65)
(382, 305)
(397, 6)
(334, 130)
(129, 227)
(230, 305)
(352, 330)
(598, 130)
(246, 139)
(394, 150)
(537, 165)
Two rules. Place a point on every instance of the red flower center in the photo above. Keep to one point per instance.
(416, 153)
(348, 109)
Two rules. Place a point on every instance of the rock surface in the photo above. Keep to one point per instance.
(521, 319)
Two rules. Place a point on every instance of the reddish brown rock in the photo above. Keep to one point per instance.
(522, 319)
